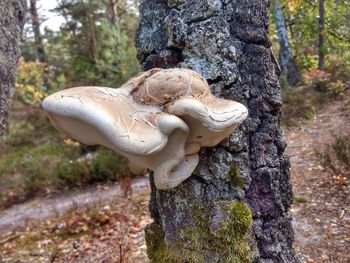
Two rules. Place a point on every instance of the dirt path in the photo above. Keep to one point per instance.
(40, 209)
(101, 225)
(322, 219)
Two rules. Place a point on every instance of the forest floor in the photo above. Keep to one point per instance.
(87, 226)
(321, 207)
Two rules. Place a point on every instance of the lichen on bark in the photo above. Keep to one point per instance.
(227, 42)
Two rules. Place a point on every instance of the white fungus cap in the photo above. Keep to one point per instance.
(159, 120)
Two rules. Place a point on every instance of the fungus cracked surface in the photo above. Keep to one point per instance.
(159, 120)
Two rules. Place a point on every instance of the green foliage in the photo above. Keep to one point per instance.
(303, 18)
(72, 172)
(89, 49)
(336, 89)
(229, 241)
(339, 66)
(34, 167)
(303, 28)
(30, 81)
(59, 83)
(322, 81)
(117, 60)
(106, 164)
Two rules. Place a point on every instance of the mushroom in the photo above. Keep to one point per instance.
(159, 120)
(186, 94)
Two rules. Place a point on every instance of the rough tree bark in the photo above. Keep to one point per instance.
(11, 22)
(289, 67)
(321, 51)
(209, 216)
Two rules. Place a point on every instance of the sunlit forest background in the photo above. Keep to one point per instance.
(95, 46)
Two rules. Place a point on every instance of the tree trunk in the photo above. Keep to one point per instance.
(289, 67)
(91, 35)
(11, 22)
(321, 48)
(112, 11)
(92, 39)
(36, 30)
(208, 218)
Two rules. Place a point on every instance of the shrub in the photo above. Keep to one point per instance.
(72, 172)
(101, 165)
(324, 82)
(30, 83)
(28, 170)
(339, 67)
(317, 79)
(107, 165)
(336, 89)
(336, 158)
(300, 103)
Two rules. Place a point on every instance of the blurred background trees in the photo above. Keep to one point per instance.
(313, 47)
(93, 44)
(318, 31)
(289, 67)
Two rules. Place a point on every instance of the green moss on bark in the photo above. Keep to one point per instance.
(226, 243)
(235, 178)
(155, 242)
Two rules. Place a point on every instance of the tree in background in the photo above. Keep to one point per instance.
(288, 64)
(36, 30)
(94, 46)
(317, 23)
(112, 11)
(98, 48)
(236, 205)
(321, 35)
(12, 14)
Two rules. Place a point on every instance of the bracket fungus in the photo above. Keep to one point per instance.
(159, 120)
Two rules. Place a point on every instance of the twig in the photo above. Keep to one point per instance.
(10, 239)
(54, 257)
(121, 246)
(339, 224)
